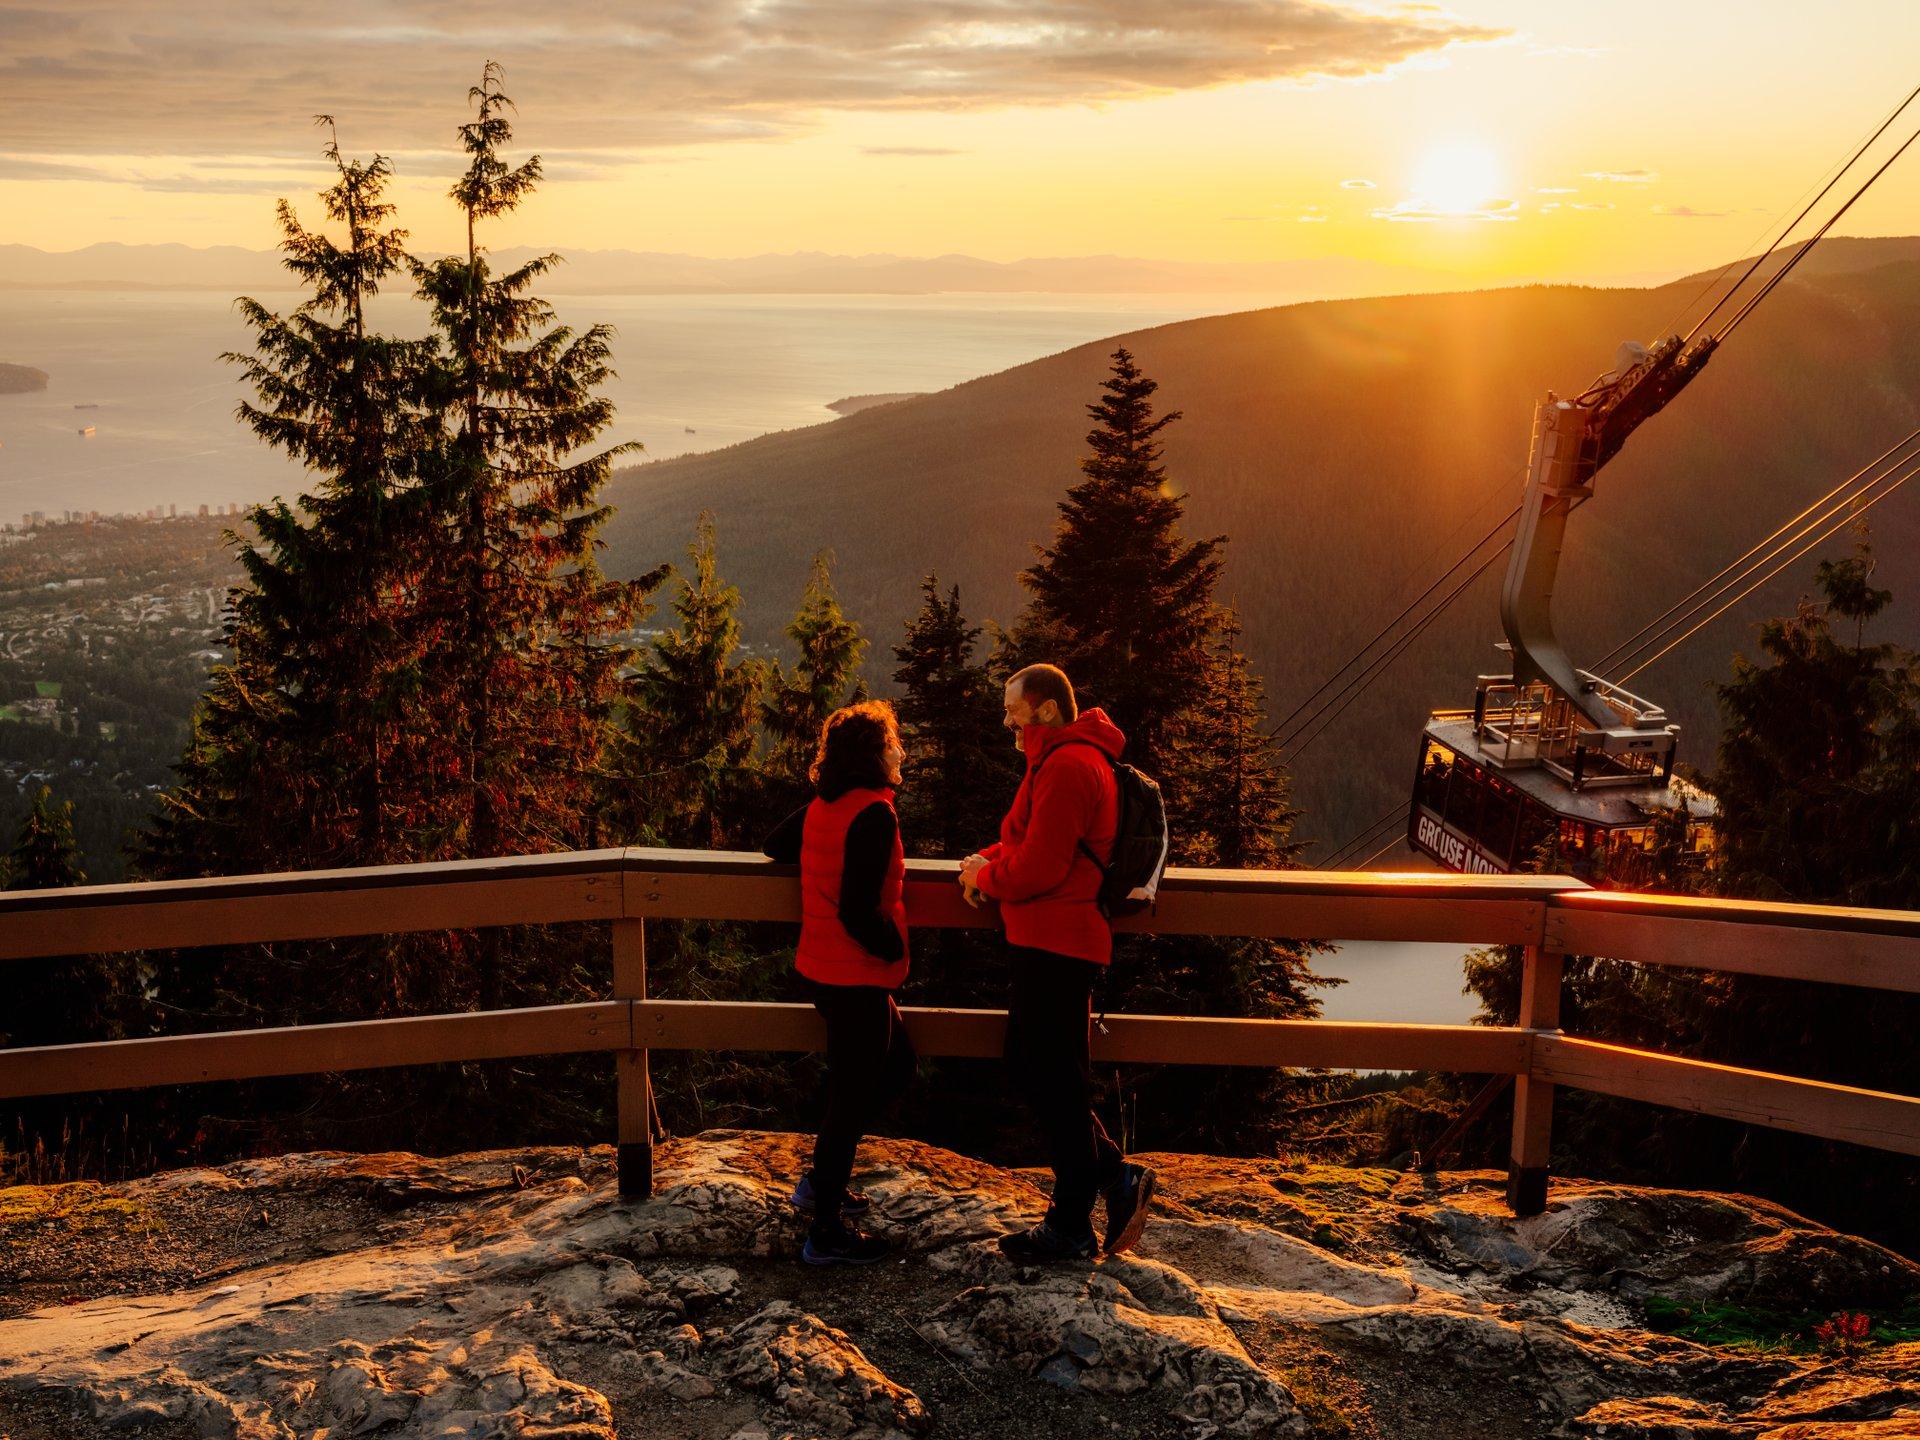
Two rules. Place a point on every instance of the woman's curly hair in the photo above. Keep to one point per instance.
(853, 749)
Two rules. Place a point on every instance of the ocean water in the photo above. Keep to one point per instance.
(695, 373)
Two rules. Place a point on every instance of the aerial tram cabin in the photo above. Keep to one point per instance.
(1517, 780)
(1555, 764)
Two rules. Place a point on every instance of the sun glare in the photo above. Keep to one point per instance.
(1458, 178)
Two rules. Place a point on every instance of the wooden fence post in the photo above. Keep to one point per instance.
(1532, 1098)
(635, 1089)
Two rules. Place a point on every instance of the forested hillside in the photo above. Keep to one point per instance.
(1350, 450)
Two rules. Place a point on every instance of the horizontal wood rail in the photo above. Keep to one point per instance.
(1550, 916)
(726, 1025)
(1812, 1107)
(1879, 949)
(316, 1049)
(722, 885)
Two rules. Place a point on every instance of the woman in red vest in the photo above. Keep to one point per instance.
(852, 956)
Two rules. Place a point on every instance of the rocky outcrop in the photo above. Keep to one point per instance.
(517, 1295)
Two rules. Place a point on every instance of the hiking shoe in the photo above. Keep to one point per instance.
(843, 1245)
(802, 1199)
(1043, 1243)
(1127, 1200)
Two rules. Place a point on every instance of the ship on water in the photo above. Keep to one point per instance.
(86, 430)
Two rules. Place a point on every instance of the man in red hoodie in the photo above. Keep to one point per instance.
(1046, 871)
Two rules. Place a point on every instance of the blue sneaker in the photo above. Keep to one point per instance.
(802, 1199)
(843, 1244)
(1127, 1202)
(1043, 1244)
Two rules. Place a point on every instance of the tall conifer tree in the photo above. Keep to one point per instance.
(530, 661)
(1120, 599)
(1125, 604)
(300, 750)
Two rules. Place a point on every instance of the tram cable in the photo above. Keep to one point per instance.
(1365, 835)
(1665, 621)
(1378, 667)
(1392, 829)
(1761, 258)
(1855, 509)
(1626, 655)
(1276, 732)
(1378, 853)
(1812, 240)
(1394, 823)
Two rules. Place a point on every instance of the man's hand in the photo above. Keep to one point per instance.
(970, 869)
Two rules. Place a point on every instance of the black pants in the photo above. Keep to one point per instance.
(870, 1061)
(1049, 1015)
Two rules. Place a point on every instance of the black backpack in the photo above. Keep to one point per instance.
(1130, 880)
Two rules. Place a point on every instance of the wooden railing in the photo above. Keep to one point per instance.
(1550, 916)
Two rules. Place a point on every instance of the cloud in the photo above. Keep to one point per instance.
(1358, 185)
(1593, 205)
(226, 77)
(274, 177)
(1622, 177)
(909, 150)
(25, 167)
(1687, 212)
(1417, 211)
(1555, 190)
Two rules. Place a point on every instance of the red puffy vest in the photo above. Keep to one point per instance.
(827, 953)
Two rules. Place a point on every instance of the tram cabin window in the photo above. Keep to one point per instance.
(1499, 817)
(1536, 829)
(1436, 768)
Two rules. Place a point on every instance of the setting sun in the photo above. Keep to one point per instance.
(1458, 178)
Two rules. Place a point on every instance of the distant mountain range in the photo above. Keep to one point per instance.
(1350, 450)
(611, 272)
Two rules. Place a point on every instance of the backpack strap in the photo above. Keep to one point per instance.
(1100, 865)
(1085, 849)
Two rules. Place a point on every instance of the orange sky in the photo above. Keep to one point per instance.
(1502, 139)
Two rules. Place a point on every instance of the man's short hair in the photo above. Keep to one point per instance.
(1041, 683)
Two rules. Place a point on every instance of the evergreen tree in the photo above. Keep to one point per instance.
(685, 768)
(529, 671)
(298, 757)
(44, 855)
(1120, 600)
(1125, 604)
(426, 659)
(962, 769)
(824, 678)
(1228, 795)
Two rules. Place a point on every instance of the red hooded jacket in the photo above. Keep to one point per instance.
(1047, 886)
